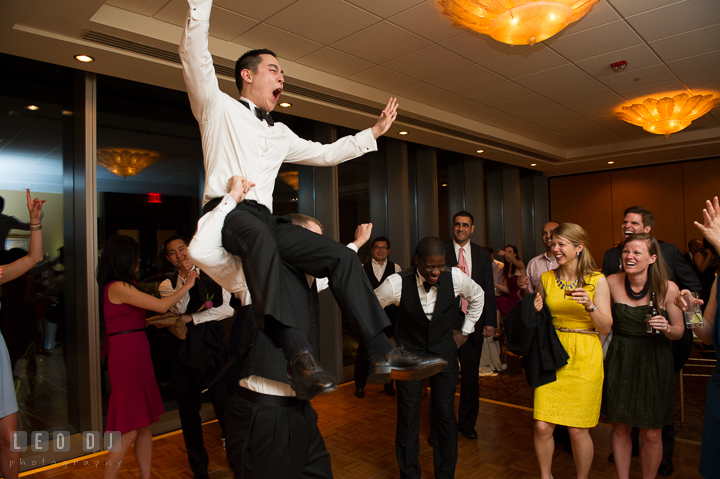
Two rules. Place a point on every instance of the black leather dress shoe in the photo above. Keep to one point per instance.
(307, 377)
(469, 433)
(666, 467)
(389, 389)
(359, 393)
(402, 365)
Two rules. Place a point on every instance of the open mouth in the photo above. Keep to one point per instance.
(630, 263)
(628, 232)
(276, 93)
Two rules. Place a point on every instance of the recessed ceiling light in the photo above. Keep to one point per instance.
(32, 107)
(444, 184)
(533, 164)
(84, 58)
(611, 162)
(403, 133)
(67, 113)
(285, 104)
(480, 151)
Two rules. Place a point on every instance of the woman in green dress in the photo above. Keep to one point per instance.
(639, 388)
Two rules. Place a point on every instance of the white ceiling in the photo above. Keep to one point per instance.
(552, 104)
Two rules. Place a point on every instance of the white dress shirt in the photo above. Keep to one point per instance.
(379, 269)
(467, 253)
(390, 292)
(213, 314)
(498, 274)
(536, 267)
(234, 141)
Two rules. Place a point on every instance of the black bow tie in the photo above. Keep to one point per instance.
(428, 286)
(261, 115)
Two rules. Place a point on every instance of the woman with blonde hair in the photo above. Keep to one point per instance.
(578, 298)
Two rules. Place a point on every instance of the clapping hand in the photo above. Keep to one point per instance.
(711, 225)
(538, 302)
(386, 118)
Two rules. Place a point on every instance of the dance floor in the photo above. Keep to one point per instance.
(360, 435)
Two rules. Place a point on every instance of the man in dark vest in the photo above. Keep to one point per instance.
(477, 263)
(377, 271)
(201, 354)
(425, 300)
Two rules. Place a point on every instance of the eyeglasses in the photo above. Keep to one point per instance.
(381, 247)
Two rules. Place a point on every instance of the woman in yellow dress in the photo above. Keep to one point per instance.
(574, 399)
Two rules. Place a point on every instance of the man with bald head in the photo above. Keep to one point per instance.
(425, 303)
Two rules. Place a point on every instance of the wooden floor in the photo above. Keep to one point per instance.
(360, 435)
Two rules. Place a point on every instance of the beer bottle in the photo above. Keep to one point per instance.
(653, 310)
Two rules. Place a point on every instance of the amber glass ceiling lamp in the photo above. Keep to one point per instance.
(667, 115)
(516, 22)
(126, 161)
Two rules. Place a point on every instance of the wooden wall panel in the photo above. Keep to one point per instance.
(702, 182)
(657, 188)
(585, 200)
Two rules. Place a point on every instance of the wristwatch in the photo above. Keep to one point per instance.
(465, 334)
(591, 310)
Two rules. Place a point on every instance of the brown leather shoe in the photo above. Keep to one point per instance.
(403, 365)
(307, 377)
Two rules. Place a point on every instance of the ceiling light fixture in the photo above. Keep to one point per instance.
(667, 115)
(285, 104)
(84, 58)
(32, 107)
(480, 151)
(403, 133)
(126, 161)
(611, 162)
(516, 22)
(533, 164)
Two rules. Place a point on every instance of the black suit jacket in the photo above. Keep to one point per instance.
(482, 274)
(680, 272)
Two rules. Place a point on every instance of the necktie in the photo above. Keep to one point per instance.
(427, 286)
(261, 115)
(463, 263)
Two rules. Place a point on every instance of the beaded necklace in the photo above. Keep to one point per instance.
(561, 284)
(632, 294)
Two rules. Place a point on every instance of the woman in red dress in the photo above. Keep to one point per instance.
(135, 401)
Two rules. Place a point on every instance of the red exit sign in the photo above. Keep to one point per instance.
(154, 198)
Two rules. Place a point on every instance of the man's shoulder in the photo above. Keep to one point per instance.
(536, 259)
(615, 250)
(668, 248)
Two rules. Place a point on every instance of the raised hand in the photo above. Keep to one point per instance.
(362, 234)
(711, 225)
(386, 118)
(34, 208)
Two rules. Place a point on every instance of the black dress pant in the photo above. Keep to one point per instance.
(264, 241)
(267, 441)
(444, 429)
(468, 407)
(189, 401)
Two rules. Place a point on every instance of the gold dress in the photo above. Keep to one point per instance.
(574, 398)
